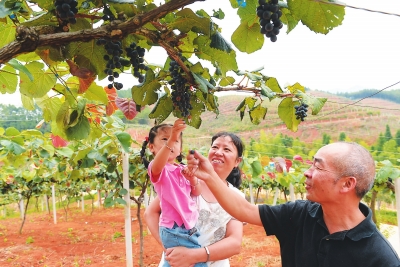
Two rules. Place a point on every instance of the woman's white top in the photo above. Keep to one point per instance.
(212, 225)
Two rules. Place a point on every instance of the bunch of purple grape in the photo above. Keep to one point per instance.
(66, 10)
(181, 90)
(269, 14)
(301, 111)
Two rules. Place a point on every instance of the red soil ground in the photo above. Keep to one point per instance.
(98, 240)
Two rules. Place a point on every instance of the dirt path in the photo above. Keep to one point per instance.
(98, 240)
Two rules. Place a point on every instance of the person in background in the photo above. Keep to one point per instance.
(177, 223)
(332, 227)
(221, 234)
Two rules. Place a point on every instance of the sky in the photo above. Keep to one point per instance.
(362, 53)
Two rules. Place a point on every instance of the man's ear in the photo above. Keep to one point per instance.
(348, 184)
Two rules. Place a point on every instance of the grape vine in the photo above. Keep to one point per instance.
(269, 14)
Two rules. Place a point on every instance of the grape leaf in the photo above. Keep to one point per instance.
(315, 103)
(88, 55)
(320, 17)
(18, 66)
(12, 147)
(286, 113)
(248, 39)
(8, 80)
(127, 106)
(7, 32)
(257, 114)
(247, 14)
(162, 109)
(96, 93)
(218, 42)
(187, 20)
(43, 80)
(80, 131)
(202, 83)
(225, 81)
(288, 19)
(146, 94)
(220, 59)
(57, 141)
(125, 139)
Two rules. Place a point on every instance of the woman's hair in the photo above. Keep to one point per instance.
(235, 177)
(150, 140)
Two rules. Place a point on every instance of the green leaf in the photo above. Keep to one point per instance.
(315, 103)
(65, 152)
(256, 168)
(162, 109)
(286, 113)
(123, 192)
(296, 87)
(120, 201)
(288, 19)
(225, 81)
(96, 93)
(125, 139)
(80, 131)
(187, 20)
(247, 14)
(109, 202)
(12, 147)
(12, 131)
(81, 153)
(42, 83)
(21, 68)
(88, 55)
(96, 155)
(247, 38)
(202, 83)
(218, 42)
(7, 32)
(8, 80)
(318, 16)
(220, 59)
(146, 94)
(257, 114)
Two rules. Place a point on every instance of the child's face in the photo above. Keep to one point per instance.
(161, 139)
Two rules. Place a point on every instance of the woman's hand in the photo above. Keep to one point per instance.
(184, 257)
(197, 165)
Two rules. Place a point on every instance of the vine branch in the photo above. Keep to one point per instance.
(28, 39)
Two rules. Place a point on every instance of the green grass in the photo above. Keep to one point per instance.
(387, 216)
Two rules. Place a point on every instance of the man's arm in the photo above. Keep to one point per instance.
(230, 200)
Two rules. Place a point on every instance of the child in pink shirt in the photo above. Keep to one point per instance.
(178, 209)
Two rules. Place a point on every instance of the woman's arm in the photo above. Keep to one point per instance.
(152, 217)
(223, 249)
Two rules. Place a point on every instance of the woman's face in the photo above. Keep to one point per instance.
(223, 156)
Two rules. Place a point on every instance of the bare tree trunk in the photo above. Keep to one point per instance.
(372, 205)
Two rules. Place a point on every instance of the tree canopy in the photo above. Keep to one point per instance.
(56, 52)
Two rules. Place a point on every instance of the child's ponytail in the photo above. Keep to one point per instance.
(143, 153)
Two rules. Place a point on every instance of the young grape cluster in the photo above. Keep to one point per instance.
(115, 61)
(181, 91)
(269, 14)
(301, 111)
(66, 10)
(136, 54)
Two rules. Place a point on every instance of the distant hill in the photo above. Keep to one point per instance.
(364, 120)
(392, 95)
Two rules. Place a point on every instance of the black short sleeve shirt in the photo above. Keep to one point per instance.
(305, 241)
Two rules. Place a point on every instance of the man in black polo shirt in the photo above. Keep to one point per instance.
(332, 228)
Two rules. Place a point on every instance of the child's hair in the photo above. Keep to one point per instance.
(150, 140)
(235, 177)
